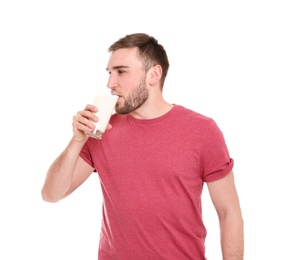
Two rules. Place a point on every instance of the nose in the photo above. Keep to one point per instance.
(112, 82)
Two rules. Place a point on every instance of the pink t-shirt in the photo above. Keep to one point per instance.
(152, 174)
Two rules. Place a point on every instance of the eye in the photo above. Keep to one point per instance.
(121, 71)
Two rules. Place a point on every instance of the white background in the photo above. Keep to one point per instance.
(228, 60)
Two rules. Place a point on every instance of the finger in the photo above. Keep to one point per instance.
(78, 125)
(84, 115)
(109, 126)
(91, 108)
(83, 120)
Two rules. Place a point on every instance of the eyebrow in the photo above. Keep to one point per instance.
(118, 67)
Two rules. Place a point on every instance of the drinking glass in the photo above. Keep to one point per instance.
(105, 102)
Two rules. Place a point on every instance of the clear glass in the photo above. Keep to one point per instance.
(105, 103)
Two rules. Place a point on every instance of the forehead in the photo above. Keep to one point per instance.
(124, 57)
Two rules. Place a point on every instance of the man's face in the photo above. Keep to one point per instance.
(127, 80)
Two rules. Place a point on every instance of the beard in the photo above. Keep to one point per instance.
(134, 100)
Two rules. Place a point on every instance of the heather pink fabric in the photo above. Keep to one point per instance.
(152, 174)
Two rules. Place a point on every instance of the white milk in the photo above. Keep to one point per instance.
(105, 106)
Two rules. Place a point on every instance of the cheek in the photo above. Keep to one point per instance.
(128, 84)
(132, 81)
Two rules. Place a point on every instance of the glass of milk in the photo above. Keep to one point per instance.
(105, 103)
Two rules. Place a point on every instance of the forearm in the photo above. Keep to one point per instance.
(232, 238)
(60, 174)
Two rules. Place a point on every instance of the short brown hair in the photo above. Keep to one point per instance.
(150, 52)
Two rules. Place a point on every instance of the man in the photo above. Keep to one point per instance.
(152, 162)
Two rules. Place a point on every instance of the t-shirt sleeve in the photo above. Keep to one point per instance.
(86, 155)
(216, 161)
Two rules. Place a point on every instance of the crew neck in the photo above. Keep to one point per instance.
(153, 120)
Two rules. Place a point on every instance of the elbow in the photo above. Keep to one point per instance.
(47, 197)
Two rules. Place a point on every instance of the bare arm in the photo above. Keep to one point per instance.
(65, 174)
(225, 199)
(69, 170)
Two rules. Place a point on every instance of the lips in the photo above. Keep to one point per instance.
(115, 93)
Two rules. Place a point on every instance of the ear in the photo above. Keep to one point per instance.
(154, 75)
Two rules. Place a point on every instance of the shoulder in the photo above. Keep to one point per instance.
(192, 116)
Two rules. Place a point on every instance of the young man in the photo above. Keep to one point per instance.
(152, 162)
